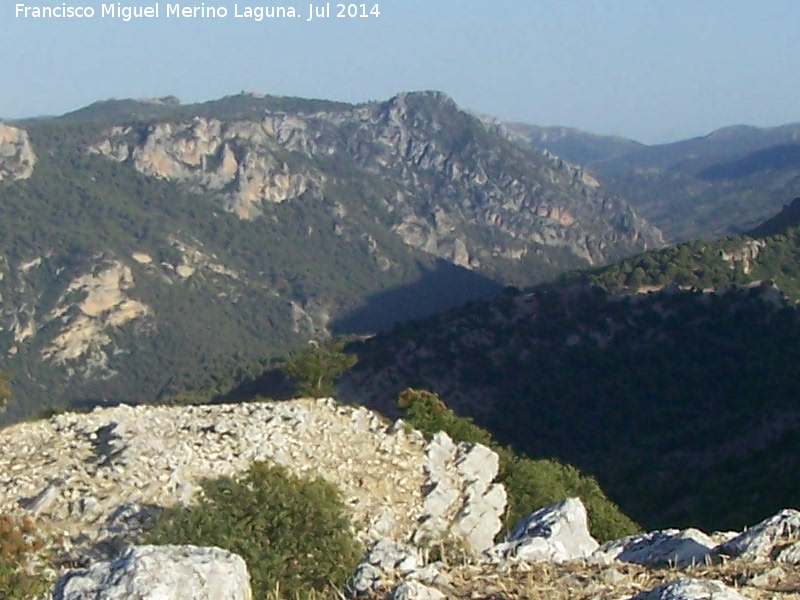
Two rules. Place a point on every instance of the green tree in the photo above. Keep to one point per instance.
(316, 367)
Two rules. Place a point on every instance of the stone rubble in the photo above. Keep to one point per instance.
(97, 478)
(413, 590)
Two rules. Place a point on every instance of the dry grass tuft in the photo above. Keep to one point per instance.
(579, 581)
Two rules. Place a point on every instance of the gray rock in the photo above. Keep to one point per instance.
(414, 590)
(459, 496)
(764, 540)
(385, 562)
(790, 554)
(556, 533)
(690, 589)
(44, 499)
(657, 548)
(160, 573)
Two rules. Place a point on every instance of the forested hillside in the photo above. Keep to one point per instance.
(671, 376)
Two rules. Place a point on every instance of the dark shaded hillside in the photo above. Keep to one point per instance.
(788, 218)
(682, 403)
(725, 183)
(774, 158)
(718, 146)
(664, 398)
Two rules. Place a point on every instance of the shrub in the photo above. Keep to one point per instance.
(19, 543)
(530, 484)
(294, 534)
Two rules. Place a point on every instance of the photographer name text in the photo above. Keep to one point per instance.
(125, 12)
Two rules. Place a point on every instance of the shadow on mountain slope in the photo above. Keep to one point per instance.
(438, 289)
(441, 288)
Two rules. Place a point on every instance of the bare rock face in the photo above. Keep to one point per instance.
(17, 158)
(451, 187)
(690, 589)
(766, 539)
(555, 533)
(159, 572)
(85, 328)
(238, 160)
(658, 548)
(460, 494)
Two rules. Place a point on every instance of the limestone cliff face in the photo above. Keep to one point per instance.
(17, 158)
(238, 161)
(452, 186)
(76, 322)
(76, 329)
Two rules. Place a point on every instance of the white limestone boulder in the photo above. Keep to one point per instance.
(657, 548)
(765, 540)
(160, 573)
(555, 533)
(460, 499)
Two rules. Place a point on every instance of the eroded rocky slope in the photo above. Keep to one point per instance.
(447, 177)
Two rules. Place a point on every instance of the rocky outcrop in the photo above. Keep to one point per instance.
(745, 256)
(104, 304)
(658, 548)
(238, 160)
(17, 158)
(160, 572)
(94, 480)
(772, 538)
(556, 533)
(460, 497)
(98, 477)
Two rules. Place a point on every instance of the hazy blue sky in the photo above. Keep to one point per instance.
(647, 69)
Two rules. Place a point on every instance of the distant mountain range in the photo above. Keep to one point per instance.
(150, 246)
(723, 183)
